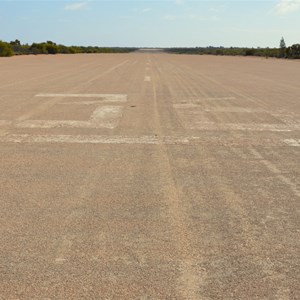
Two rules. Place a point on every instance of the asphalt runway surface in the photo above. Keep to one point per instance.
(149, 176)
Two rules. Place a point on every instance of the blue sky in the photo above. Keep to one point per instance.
(160, 23)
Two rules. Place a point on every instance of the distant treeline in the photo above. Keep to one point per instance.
(285, 52)
(49, 47)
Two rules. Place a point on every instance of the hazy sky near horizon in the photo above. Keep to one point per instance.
(160, 23)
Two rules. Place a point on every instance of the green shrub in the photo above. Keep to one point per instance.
(293, 51)
(51, 48)
(5, 49)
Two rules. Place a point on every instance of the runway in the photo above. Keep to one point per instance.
(149, 176)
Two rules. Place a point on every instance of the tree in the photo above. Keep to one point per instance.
(15, 43)
(282, 43)
(282, 47)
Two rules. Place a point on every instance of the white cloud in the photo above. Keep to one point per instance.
(170, 17)
(146, 10)
(284, 7)
(76, 6)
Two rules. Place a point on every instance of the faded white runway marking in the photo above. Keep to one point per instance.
(235, 110)
(107, 97)
(102, 117)
(219, 98)
(241, 126)
(214, 98)
(91, 102)
(143, 140)
(196, 101)
(63, 250)
(273, 169)
(186, 105)
(147, 78)
(95, 139)
(103, 113)
(292, 142)
(219, 109)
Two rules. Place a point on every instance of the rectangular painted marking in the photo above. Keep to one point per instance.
(186, 105)
(242, 127)
(106, 116)
(120, 97)
(91, 102)
(147, 78)
(53, 124)
(196, 101)
(102, 117)
(235, 110)
(218, 98)
(219, 109)
(292, 142)
(94, 139)
(139, 140)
